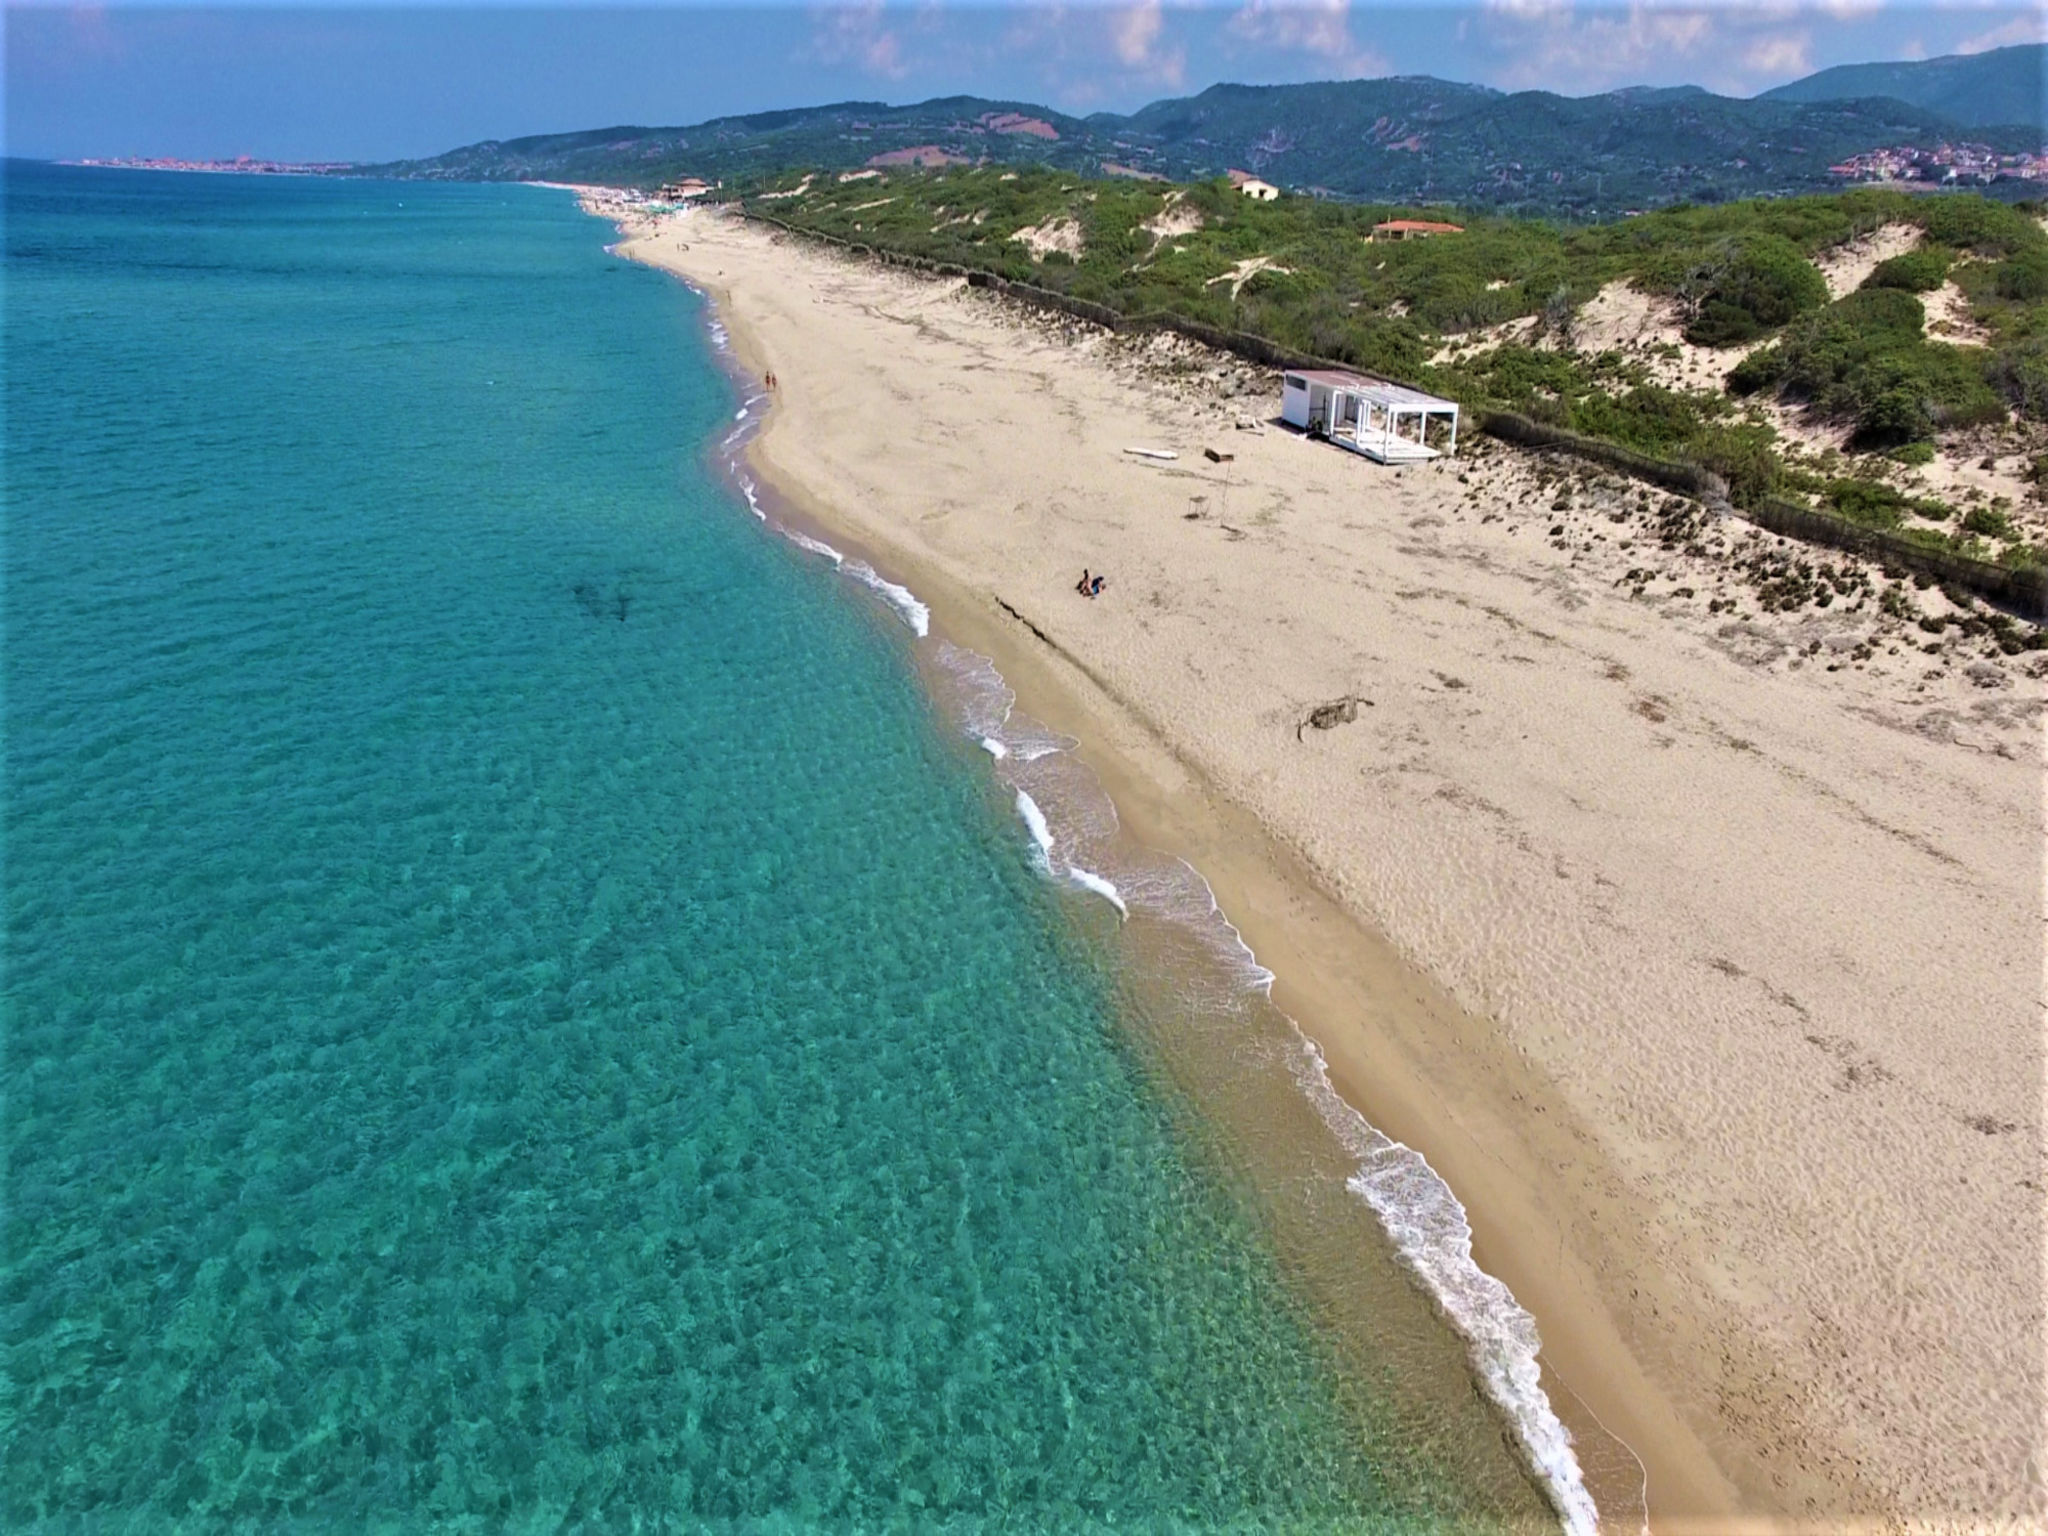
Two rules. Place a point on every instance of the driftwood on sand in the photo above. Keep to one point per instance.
(1327, 717)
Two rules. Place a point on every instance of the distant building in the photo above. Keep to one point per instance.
(1413, 229)
(682, 191)
(1252, 187)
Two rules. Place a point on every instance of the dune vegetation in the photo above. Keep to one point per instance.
(1740, 358)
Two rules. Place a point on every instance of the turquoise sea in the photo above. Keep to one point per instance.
(522, 1008)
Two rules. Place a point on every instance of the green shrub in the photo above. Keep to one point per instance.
(1743, 455)
(1992, 524)
(1864, 357)
(1874, 504)
(1897, 415)
(1866, 502)
(1914, 453)
(2018, 371)
(1976, 224)
(1761, 369)
(1918, 271)
(2024, 278)
(1721, 324)
(1763, 282)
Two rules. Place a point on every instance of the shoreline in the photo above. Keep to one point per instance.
(1070, 703)
(1522, 1157)
(1248, 873)
(1546, 1449)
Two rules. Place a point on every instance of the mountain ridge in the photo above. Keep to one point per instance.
(1974, 90)
(1408, 139)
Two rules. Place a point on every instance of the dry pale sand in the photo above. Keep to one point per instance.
(1845, 266)
(1647, 328)
(1715, 937)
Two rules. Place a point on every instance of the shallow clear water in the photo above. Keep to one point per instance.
(516, 1012)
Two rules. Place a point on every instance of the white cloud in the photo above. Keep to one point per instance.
(1138, 35)
(2021, 29)
(1321, 28)
(1529, 10)
(1547, 45)
(1786, 54)
(859, 34)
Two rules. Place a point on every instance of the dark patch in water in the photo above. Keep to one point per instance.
(597, 603)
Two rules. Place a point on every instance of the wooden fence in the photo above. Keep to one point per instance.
(2024, 590)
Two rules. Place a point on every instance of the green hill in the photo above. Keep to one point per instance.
(1405, 139)
(1977, 90)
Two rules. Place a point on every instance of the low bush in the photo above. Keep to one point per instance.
(1921, 270)
(1990, 522)
(2024, 278)
(1873, 504)
(1761, 282)
(1865, 357)
(1975, 224)
(2020, 375)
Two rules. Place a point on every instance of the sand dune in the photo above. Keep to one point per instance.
(1725, 926)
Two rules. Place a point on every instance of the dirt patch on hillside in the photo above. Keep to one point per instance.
(1845, 266)
(1175, 217)
(1246, 270)
(1948, 318)
(1060, 234)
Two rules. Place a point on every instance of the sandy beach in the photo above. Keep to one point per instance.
(1700, 951)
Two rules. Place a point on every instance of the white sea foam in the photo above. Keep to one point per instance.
(740, 414)
(1420, 1214)
(1422, 1217)
(1041, 832)
(815, 546)
(902, 599)
(1101, 887)
(1432, 1237)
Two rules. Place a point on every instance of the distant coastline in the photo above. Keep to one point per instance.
(241, 166)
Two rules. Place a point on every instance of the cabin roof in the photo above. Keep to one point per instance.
(1378, 391)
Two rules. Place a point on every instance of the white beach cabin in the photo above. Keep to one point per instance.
(1388, 423)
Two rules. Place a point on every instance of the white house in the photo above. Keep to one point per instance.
(1252, 187)
(1388, 423)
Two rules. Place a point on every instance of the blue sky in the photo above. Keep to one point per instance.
(389, 81)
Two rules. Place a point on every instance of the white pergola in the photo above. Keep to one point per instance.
(1388, 423)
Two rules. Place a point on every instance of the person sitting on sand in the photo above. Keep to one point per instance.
(1081, 586)
(1095, 587)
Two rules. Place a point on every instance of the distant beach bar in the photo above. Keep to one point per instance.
(1388, 423)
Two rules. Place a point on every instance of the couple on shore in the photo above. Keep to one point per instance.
(1089, 586)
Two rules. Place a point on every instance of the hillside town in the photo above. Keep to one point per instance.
(1944, 164)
